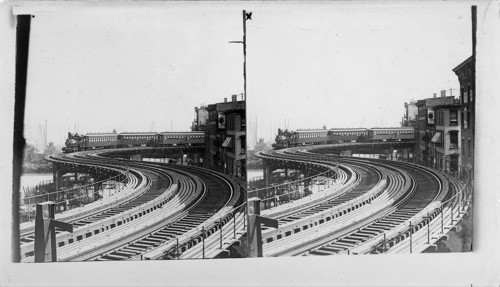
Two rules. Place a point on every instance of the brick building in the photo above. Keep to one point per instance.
(445, 141)
(425, 127)
(467, 78)
(226, 137)
(466, 73)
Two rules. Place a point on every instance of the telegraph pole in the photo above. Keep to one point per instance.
(245, 54)
(245, 17)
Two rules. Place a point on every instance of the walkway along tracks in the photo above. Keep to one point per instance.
(221, 194)
(203, 210)
(414, 203)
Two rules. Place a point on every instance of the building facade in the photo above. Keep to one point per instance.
(225, 140)
(425, 128)
(411, 113)
(467, 78)
(445, 142)
(201, 119)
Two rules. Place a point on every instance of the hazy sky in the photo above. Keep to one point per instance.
(351, 65)
(126, 70)
(333, 64)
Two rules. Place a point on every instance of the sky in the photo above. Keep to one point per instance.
(351, 65)
(335, 64)
(129, 70)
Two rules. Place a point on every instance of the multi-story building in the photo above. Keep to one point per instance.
(410, 117)
(425, 128)
(466, 73)
(445, 142)
(225, 140)
(467, 78)
(201, 121)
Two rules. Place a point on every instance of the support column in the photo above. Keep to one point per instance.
(307, 186)
(266, 173)
(45, 236)
(55, 176)
(254, 232)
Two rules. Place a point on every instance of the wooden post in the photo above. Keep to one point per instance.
(442, 220)
(177, 248)
(411, 237)
(254, 232)
(428, 229)
(234, 223)
(203, 239)
(220, 229)
(45, 235)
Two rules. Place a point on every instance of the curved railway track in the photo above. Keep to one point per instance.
(175, 200)
(410, 190)
(425, 190)
(218, 192)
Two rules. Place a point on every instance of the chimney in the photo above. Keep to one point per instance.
(434, 94)
(234, 98)
(443, 93)
(225, 100)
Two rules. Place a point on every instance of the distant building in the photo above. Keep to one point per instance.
(410, 117)
(425, 127)
(445, 141)
(467, 77)
(226, 137)
(201, 121)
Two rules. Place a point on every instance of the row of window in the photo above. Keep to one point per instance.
(348, 133)
(466, 96)
(393, 133)
(231, 119)
(184, 137)
(138, 137)
(101, 139)
(440, 119)
(311, 135)
(453, 139)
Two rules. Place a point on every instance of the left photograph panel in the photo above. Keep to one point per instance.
(135, 129)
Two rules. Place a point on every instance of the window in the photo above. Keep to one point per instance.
(453, 139)
(468, 119)
(453, 118)
(469, 94)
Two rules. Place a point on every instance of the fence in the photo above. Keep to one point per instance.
(438, 218)
(224, 227)
(76, 196)
(278, 194)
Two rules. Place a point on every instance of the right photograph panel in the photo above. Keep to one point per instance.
(360, 128)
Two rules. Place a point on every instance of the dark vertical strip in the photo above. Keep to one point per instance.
(245, 99)
(244, 55)
(474, 29)
(474, 42)
(473, 112)
(22, 48)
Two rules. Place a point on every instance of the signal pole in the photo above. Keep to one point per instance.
(245, 17)
(245, 54)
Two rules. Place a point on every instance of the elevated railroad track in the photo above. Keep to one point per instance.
(168, 201)
(371, 216)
